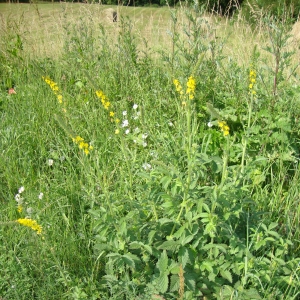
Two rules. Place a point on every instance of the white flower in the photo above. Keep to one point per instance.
(210, 124)
(135, 106)
(21, 189)
(125, 123)
(144, 136)
(29, 211)
(50, 162)
(19, 199)
(127, 131)
(144, 144)
(124, 113)
(146, 166)
(171, 124)
(136, 130)
(41, 195)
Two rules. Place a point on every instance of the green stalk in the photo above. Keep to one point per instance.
(245, 139)
(189, 165)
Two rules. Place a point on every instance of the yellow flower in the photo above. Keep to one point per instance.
(31, 223)
(224, 127)
(191, 86)
(252, 80)
(178, 86)
(117, 131)
(117, 121)
(111, 113)
(59, 97)
(20, 208)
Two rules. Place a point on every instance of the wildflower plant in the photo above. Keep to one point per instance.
(31, 224)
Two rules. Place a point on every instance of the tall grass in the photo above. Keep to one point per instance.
(135, 170)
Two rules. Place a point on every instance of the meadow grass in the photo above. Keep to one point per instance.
(156, 157)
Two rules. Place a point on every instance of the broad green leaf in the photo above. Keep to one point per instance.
(169, 245)
(226, 275)
(183, 256)
(162, 263)
(174, 283)
(163, 283)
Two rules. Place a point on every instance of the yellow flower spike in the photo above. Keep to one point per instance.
(31, 224)
(59, 97)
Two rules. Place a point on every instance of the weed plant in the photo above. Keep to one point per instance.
(128, 174)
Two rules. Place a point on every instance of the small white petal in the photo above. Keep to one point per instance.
(124, 113)
(21, 189)
(135, 106)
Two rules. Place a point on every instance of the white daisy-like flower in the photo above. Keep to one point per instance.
(41, 195)
(21, 190)
(136, 130)
(127, 131)
(125, 123)
(124, 113)
(146, 166)
(144, 144)
(50, 162)
(171, 124)
(135, 106)
(210, 124)
(19, 199)
(144, 136)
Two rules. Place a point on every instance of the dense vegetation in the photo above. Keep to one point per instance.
(130, 173)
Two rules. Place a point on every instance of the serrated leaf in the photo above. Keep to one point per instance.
(128, 261)
(226, 275)
(169, 245)
(190, 280)
(162, 263)
(163, 283)
(131, 259)
(186, 240)
(183, 256)
(174, 283)
(135, 245)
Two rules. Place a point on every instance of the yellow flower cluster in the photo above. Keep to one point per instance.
(103, 98)
(54, 87)
(106, 104)
(31, 223)
(82, 144)
(190, 91)
(252, 81)
(191, 86)
(224, 127)
(178, 86)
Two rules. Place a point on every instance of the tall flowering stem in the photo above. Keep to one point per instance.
(252, 93)
(188, 110)
(76, 139)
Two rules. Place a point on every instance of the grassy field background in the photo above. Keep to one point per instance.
(156, 157)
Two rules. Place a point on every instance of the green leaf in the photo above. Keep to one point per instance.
(183, 256)
(169, 245)
(226, 275)
(163, 283)
(174, 283)
(162, 263)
